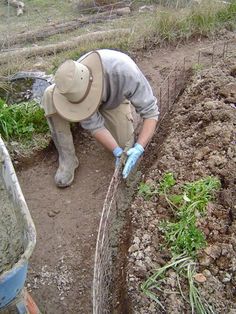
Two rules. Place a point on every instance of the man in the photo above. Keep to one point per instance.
(97, 91)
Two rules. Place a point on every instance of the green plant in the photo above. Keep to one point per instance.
(153, 284)
(197, 67)
(185, 267)
(21, 121)
(166, 183)
(197, 303)
(182, 235)
(147, 191)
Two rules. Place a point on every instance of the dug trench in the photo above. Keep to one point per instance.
(61, 268)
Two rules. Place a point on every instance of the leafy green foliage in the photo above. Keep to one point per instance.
(199, 193)
(182, 235)
(21, 121)
(147, 191)
(167, 182)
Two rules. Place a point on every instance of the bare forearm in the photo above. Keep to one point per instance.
(148, 129)
(105, 138)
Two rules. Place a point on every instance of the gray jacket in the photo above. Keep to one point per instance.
(122, 80)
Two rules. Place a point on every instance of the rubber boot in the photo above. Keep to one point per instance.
(63, 140)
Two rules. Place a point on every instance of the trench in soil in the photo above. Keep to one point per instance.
(121, 302)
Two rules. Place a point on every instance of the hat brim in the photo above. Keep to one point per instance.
(77, 112)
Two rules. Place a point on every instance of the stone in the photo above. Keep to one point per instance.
(229, 92)
(133, 248)
(200, 278)
(213, 251)
(136, 240)
(205, 260)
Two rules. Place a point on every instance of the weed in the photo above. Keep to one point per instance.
(201, 20)
(147, 191)
(182, 236)
(184, 266)
(198, 304)
(167, 182)
(197, 67)
(21, 121)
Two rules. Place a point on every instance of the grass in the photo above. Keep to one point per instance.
(20, 122)
(184, 266)
(158, 28)
(164, 3)
(182, 235)
(203, 20)
(198, 304)
(165, 27)
(4, 85)
(149, 30)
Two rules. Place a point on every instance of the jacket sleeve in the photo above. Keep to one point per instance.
(93, 123)
(140, 94)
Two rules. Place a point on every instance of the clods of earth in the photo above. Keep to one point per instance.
(196, 140)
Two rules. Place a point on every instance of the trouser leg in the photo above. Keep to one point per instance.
(63, 140)
(119, 122)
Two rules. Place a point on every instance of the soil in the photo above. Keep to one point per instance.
(198, 140)
(61, 267)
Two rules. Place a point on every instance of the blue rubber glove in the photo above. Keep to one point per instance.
(117, 152)
(133, 154)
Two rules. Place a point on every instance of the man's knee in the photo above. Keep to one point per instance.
(47, 101)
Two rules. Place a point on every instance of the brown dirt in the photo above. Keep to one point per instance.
(199, 140)
(61, 268)
(66, 220)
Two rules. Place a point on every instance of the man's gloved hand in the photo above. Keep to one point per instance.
(117, 152)
(133, 154)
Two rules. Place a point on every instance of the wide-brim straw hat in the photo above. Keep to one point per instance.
(78, 87)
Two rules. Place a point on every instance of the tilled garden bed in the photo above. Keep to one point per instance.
(195, 141)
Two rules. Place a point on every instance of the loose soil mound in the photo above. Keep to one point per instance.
(197, 140)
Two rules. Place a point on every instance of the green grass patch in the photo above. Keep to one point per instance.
(168, 26)
(157, 28)
(20, 122)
